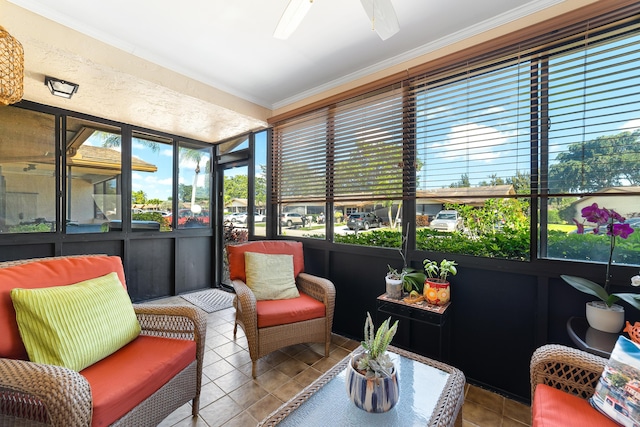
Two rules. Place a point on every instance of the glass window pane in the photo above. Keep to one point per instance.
(27, 171)
(94, 176)
(194, 186)
(234, 194)
(368, 223)
(571, 236)
(491, 227)
(151, 183)
(260, 184)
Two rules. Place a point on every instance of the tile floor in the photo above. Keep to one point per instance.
(230, 397)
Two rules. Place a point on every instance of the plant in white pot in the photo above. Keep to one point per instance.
(393, 281)
(437, 289)
(605, 315)
(410, 278)
(372, 381)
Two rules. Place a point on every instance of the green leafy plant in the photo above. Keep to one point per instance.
(442, 271)
(615, 226)
(393, 273)
(375, 362)
(412, 279)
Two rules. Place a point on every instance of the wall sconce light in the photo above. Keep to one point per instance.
(11, 69)
(60, 87)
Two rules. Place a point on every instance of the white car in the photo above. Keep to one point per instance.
(448, 221)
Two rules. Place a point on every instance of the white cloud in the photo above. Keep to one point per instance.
(474, 141)
(495, 110)
(631, 125)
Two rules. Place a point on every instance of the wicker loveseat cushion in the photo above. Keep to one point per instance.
(556, 408)
(236, 255)
(42, 274)
(270, 276)
(75, 325)
(124, 379)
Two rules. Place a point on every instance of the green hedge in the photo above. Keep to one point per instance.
(507, 244)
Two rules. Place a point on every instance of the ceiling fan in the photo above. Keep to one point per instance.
(380, 12)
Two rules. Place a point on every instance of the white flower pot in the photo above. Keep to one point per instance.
(394, 288)
(603, 318)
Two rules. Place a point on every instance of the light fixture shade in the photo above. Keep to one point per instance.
(60, 87)
(11, 69)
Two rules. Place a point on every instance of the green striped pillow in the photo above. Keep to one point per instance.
(75, 325)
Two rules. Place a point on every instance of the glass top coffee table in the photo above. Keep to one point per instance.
(431, 394)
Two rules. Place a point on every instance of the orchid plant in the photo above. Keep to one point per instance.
(412, 279)
(615, 227)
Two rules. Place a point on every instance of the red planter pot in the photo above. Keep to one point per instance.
(437, 291)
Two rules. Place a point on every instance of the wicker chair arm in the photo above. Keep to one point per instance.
(318, 287)
(35, 393)
(568, 369)
(172, 321)
(246, 307)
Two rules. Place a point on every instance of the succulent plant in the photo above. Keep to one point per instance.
(375, 362)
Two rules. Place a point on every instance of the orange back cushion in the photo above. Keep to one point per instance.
(42, 274)
(286, 247)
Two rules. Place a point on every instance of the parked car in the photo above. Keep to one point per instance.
(259, 217)
(448, 220)
(240, 217)
(185, 214)
(290, 218)
(363, 220)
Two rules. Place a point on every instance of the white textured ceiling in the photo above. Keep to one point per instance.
(225, 47)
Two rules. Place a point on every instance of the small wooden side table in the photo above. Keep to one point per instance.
(589, 339)
(424, 328)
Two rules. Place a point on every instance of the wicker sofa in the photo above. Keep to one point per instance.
(562, 381)
(138, 385)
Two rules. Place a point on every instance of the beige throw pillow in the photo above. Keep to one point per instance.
(270, 276)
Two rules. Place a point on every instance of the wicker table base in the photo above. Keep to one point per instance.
(431, 394)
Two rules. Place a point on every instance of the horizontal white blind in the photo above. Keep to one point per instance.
(594, 111)
(299, 159)
(473, 127)
(552, 116)
(367, 146)
(352, 151)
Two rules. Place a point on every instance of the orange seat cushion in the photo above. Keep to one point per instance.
(127, 377)
(41, 274)
(285, 311)
(235, 254)
(555, 408)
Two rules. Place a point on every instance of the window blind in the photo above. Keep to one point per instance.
(593, 111)
(352, 151)
(551, 116)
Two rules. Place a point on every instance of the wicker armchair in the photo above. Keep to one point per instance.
(264, 340)
(36, 394)
(568, 369)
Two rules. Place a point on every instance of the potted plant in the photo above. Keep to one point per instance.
(410, 278)
(372, 382)
(437, 289)
(604, 315)
(393, 280)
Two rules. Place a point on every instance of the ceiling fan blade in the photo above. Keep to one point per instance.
(383, 17)
(291, 18)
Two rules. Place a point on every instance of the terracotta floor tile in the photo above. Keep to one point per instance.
(264, 407)
(248, 394)
(517, 411)
(231, 398)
